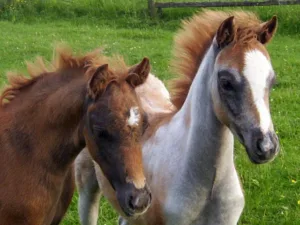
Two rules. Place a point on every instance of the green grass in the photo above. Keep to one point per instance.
(29, 30)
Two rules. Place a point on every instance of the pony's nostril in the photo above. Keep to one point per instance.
(259, 147)
(265, 147)
(130, 202)
(262, 149)
(150, 197)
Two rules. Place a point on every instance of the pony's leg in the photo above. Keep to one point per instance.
(88, 203)
(88, 188)
(65, 198)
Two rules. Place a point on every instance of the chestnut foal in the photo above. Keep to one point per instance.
(48, 118)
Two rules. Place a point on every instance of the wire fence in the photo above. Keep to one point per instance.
(157, 6)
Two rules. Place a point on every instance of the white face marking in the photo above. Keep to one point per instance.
(138, 184)
(134, 117)
(257, 70)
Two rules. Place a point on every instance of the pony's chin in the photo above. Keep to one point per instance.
(137, 214)
(257, 161)
(255, 158)
(133, 214)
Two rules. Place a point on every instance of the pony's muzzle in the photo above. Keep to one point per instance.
(139, 200)
(264, 147)
(134, 201)
(267, 146)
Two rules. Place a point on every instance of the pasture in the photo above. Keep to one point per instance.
(30, 29)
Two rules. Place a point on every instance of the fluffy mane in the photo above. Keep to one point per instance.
(63, 59)
(193, 40)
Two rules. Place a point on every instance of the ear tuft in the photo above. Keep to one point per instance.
(267, 31)
(226, 32)
(138, 73)
(98, 81)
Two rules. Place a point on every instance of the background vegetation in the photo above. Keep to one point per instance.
(31, 28)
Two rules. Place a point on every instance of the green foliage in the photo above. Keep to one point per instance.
(30, 28)
(128, 13)
(31, 10)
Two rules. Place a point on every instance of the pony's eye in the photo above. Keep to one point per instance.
(106, 135)
(103, 134)
(226, 85)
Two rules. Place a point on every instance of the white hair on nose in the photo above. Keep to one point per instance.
(134, 116)
(257, 70)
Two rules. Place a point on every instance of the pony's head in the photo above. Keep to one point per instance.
(113, 129)
(243, 78)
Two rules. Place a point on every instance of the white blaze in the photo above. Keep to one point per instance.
(257, 70)
(134, 117)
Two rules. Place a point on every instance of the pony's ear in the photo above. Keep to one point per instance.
(226, 32)
(98, 81)
(267, 30)
(138, 73)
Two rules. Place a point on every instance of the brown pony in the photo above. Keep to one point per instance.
(48, 118)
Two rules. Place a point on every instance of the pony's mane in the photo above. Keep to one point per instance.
(63, 59)
(193, 40)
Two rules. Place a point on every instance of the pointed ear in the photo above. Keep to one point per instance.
(267, 30)
(138, 73)
(98, 81)
(226, 32)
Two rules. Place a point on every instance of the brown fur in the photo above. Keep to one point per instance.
(131, 150)
(64, 59)
(42, 117)
(193, 40)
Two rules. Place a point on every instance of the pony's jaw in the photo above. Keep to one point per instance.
(132, 192)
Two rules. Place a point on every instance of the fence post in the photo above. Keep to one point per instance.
(151, 8)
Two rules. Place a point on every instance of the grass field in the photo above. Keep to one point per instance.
(30, 29)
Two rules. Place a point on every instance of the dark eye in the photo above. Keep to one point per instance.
(103, 134)
(226, 81)
(226, 85)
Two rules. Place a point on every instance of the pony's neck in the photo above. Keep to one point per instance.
(52, 113)
(209, 142)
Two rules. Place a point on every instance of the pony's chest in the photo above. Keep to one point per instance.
(184, 207)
